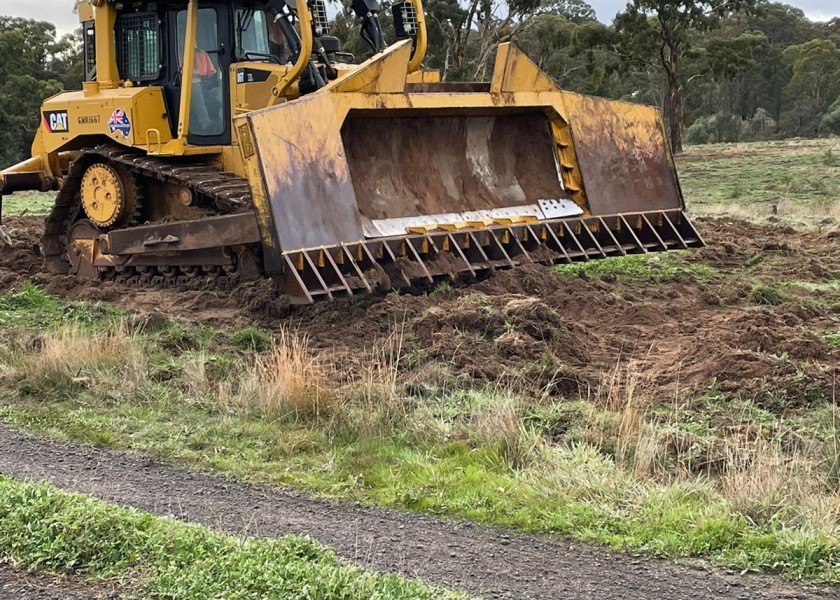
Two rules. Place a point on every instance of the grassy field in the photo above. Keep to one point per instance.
(44, 528)
(797, 180)
(28, 203)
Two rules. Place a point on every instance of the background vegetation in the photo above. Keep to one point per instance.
(722, 70)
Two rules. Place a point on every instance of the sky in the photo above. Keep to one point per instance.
(61, 13)
(817, 10)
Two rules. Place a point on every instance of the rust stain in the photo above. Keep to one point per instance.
(420, 165)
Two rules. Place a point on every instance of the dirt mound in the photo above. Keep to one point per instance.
(545, 333)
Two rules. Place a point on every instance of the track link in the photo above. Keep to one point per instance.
(224, 192)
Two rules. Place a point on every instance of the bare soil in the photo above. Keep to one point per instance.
(561, 336)
(18, 585)
(490, 562)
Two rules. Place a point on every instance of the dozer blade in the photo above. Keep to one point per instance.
(372, 183)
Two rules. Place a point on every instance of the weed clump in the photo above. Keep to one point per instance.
(286, 383)
(765, 295)
(252, 338)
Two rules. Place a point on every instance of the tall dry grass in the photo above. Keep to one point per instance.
(288, 382)
(763, 474)
(84, 356)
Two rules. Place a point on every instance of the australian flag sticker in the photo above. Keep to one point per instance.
(119, 122)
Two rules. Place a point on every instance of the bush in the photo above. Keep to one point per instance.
(830, 122)
(700, 132)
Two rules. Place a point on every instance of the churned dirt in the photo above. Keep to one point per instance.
(490, 562)
(561, 336)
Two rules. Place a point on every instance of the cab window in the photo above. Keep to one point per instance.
(207, 102)
(138, 46)
(252, 41)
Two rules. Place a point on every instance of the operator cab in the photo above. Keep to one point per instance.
(241, 50)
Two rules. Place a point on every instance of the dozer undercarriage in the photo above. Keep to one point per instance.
(373, 177)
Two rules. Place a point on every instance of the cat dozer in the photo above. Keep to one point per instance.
(218, 141)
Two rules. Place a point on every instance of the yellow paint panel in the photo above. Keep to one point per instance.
(515, 72)
(143, 109)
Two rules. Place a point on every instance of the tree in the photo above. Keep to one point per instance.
(464, 34)
(33, 66)
(659, 32)
(814, 86)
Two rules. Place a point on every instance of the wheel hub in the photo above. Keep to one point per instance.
(105, 199)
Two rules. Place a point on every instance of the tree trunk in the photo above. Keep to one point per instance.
(675, 104)
(676, 121)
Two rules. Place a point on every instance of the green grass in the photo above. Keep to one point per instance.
(832, 338)
(801, 178)
(44, 528)
(832, 285)
(641, 269)
(31, 307)
(188, 394)
(765, 295)
(28, 203)
(252, 338)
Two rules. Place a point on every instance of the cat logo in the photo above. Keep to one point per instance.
(56, 121)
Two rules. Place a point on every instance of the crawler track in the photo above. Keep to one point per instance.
(223, 192)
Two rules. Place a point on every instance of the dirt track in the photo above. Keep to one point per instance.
(491, 562)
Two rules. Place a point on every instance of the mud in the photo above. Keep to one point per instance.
(560, 336)
(486, 561)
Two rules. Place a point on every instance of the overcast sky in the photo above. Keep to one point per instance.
(60, 12)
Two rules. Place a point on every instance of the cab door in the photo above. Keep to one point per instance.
(210, 102)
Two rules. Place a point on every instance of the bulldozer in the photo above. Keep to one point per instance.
(218, 141)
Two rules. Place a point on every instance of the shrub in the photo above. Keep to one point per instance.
(699, 132)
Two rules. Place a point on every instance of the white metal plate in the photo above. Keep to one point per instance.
(559, 208)
(545, 209)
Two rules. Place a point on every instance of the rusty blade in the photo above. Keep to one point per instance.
(623, 155)
(429, 165)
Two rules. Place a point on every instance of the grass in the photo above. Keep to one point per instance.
(30, 307)
(792, 179)
(252, 338)
(765, 295)
(726, 480)
(44, 528)
(641, 268)
(28, 203)
(833, 338)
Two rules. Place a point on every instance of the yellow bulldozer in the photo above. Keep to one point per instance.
(216, 141)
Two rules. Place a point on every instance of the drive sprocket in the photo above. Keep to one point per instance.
(109, 197)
